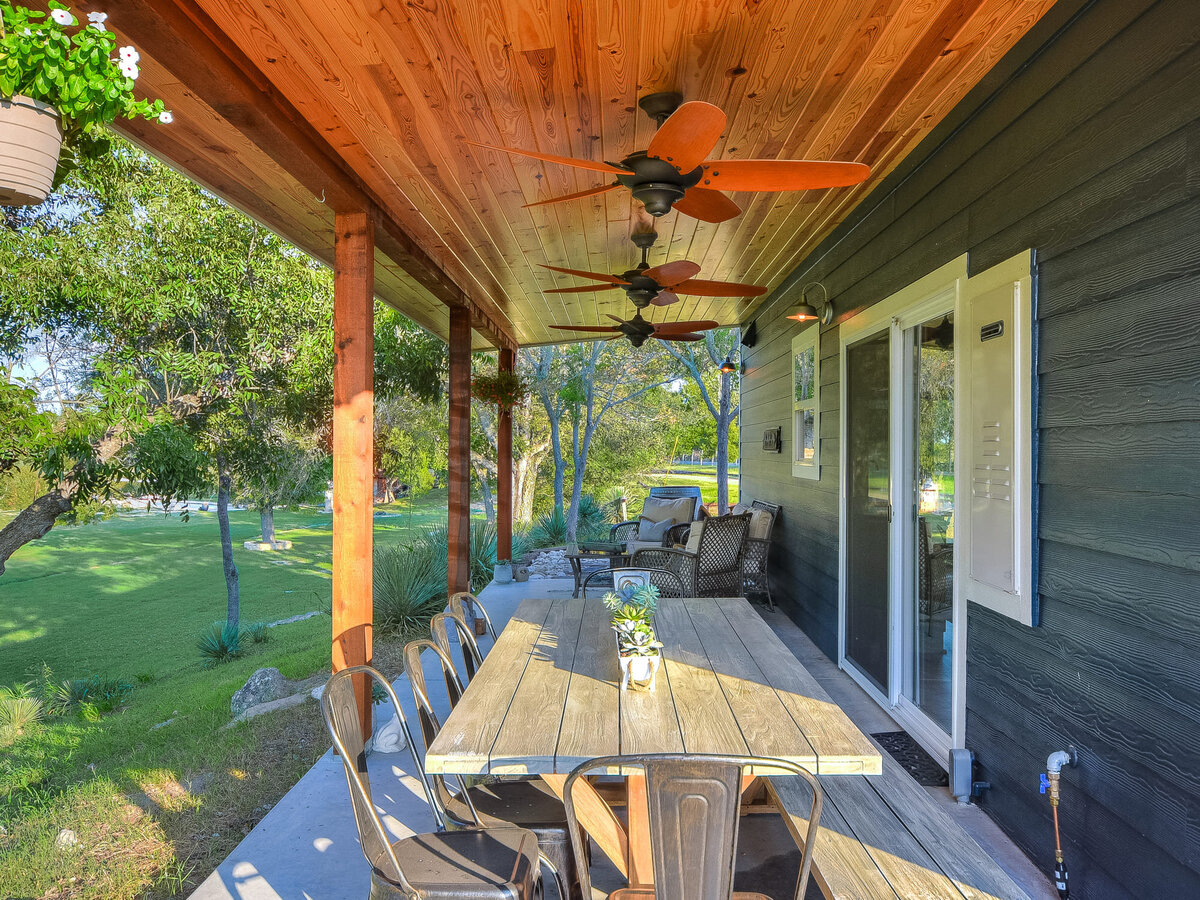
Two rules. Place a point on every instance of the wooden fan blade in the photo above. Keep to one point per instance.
(615, 318)
(682, 327)
(672, 273)
(561, 160)
(565, 197)
(665, 298)
(697, 287)
(707, 206)
(583, 290)
(779, 174)
(605, 328)
(595, 276)
(680, 337)
(688, 135)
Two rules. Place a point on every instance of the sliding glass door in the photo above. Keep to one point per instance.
(868, 507)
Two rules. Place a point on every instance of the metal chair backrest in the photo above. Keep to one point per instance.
(721, 543)
(694, 803)
(340, 709)
(602, 581)
(773, 508)
(439, 796)
(674, 491)
(467, 607)
(439, 627)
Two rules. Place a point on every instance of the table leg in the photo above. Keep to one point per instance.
(597, 819)
(577, 574)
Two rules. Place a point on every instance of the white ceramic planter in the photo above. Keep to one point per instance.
(30, 139)
(639, 671)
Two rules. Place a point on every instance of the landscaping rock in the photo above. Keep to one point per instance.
(269, 706)
(263, 686)
(66, 840)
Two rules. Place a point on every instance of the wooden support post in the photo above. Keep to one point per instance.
(504, 466)
(459, 551)
(353, 445)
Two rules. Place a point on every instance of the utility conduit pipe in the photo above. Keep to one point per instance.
(1050, 785)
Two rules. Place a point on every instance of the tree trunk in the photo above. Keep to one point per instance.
(266, 515)
(560, 466)
(485, 492)
(231, 572)
(723, 420)
(33, 522)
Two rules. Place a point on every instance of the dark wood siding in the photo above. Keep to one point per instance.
(1084, 144)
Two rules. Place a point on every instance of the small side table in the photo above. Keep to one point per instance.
(614, 553)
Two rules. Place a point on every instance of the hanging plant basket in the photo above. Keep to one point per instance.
(30, 139)
(505, 389)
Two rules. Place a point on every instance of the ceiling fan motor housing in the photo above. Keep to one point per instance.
(656, 182)
(641, 290)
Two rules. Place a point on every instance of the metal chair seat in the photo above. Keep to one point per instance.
(473, 864)
(647, 893)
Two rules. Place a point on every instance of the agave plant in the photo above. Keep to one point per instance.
(409, 586)
(19, 709)
(221, 643)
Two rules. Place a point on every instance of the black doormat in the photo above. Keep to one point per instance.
(901, 746)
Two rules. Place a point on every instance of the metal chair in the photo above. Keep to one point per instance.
(694, 802)
(716, 568)
(439, 627)
(527, 803)
(464, 602)
(668, 583)
(473, 863)
(756, 579)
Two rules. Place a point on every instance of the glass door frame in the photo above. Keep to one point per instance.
(938, 293)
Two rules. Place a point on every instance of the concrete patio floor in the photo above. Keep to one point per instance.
(306, 848)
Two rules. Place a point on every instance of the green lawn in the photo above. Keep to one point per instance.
(128, 598)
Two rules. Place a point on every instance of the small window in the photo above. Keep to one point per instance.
(806, 400)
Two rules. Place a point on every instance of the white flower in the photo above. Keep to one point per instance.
(165, 117)
(129, 70)
(98, 19)
(62, 17)
(129, 54)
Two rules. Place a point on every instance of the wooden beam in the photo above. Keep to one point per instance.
(459, 551)
(181, 37)
(353, 443)
(504, 466)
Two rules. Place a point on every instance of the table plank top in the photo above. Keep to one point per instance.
(547, 696)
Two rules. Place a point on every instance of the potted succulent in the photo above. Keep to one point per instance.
(61, 83)
(502, 572)
(639, 650)
(505, 389)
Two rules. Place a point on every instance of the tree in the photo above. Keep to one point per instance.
(701, 361)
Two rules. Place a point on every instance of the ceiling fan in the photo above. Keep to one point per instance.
(638, 329)
(674, 172)
(660, 285)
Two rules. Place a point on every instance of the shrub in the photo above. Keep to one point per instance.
(19, 709)
(221, 643)
(89, 697)
(256, 633)
(549, 530)
(409, 586)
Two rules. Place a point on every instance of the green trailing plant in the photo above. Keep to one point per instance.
(221, 643)
(20, 708)
(75, 68)
(409, 584)
(504, 389)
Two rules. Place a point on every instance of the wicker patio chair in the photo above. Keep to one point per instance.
(714, 568)
(601, 581)
(624, 531)
(694, 801)
(756, 575)
(935, 569)
(467, 607)
(470, 863)
(527, 803)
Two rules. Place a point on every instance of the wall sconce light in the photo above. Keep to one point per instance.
(806, 312)
(729, 366)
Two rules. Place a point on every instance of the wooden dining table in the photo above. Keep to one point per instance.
(547, 698)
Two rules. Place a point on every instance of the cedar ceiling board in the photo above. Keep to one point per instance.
(262, 190)
(396, 89)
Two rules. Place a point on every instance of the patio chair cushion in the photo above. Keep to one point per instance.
(740, 507)
(693, 541)
(760, 525)
(634, 546)
(653, 530)
(498, 863)
(681, 509)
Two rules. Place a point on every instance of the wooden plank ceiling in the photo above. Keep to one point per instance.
(393, 89)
